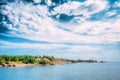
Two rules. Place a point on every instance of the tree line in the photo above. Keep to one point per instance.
(27, 59)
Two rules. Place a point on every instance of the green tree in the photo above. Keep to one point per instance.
(44, 62)
(2, 61)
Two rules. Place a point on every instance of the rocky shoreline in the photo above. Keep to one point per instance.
(26, 60)
(28, 65)
(16, 65)
(58, 62)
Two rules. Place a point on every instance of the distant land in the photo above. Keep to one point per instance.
(27, 60)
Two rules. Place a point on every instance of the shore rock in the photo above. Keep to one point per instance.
(4, 65)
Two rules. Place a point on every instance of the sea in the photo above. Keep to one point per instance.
(81, 71)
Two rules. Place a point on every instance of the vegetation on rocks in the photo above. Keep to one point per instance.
(26, 59)
(8, 60)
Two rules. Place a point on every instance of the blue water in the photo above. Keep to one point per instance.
(86, 71)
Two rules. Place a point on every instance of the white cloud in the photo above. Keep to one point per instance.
(111, 13)
(6, 44)
(86, 8)
(35, 23)
(37, 1)
(117, 4)
(83, 49)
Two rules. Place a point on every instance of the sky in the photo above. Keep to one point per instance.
(73, 29)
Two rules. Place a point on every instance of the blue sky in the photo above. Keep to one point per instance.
(75, 29)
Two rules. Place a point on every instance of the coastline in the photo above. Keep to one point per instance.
(60, 62)
(29, 65)
(26, 61)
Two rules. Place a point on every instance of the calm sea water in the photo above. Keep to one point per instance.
(86, 71)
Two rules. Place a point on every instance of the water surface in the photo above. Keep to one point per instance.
(86, 71)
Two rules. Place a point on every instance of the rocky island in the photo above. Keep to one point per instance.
(27, 60)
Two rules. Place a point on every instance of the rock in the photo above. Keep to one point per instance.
(6, 62)
(14, 65)
(9, 65)
(103, 62)
(4, 65)
(52, 64)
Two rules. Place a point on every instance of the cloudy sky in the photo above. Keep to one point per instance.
(75, 29)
